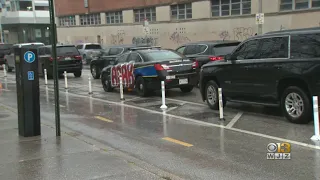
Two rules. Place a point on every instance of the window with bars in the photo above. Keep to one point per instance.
(288, 5)
(230, 7)
(90, 19)
(67, 21)
(147, 13)
(114, 17)
(181, 11)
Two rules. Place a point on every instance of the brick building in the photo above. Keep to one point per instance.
(173, 22)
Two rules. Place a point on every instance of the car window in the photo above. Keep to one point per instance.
(181, 49)
(305, 46)
(93, 46)
(5, 46)
(275, 47)
(47, 51)
(122, 58)
(67, 50)
(41, 51)
(163, 55)
(134, 57)
(248, 50)
(79, 46)
(224, 49)
(190, 49)
(115, 51)
(201, 48)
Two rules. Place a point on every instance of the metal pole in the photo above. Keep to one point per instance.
(45, 77)
(4, 70)
(316, 136)
(121, 88)
(260, 11)
(65, 80)
(163, 94)
(220, 104)
(55, 66)
(90, 88)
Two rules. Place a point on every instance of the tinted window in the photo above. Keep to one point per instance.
(79, 47)
(115, 51)
(224, 49)
(47, 50)
(41, 51)
(248, 50)
(201, 48)
(191, 49)
(67, 50)
(122, 58)
(181, 49)
(134, 57)
(305, 46)
(5, 46)
(93, 46)
(163, 55)
(276, 47)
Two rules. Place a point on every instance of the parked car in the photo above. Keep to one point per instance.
(276, 69)
(88, 50)
(4, 50)
(9, 58)
(145, 68)
(69, 59)
(207, 51)
(107, 57)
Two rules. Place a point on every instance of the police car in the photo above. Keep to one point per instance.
(144, 68)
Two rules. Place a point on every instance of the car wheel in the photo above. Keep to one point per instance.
(95, 72)
(296, 105)
(8, 69)
(212, 96)
(106, 83)
(77, 74)
(186, 89)
(141, 87)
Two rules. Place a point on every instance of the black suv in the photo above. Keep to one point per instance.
(69, 59)
(4, 50)
(275, 69)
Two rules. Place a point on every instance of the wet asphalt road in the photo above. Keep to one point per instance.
(188, 140)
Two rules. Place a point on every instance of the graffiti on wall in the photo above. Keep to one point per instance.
(151, 41)
(224, 35)
(117, 38)
(179, 38)
(242, 33)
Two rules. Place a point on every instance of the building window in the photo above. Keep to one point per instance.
(24, 6)
(302, 4)
(90, 19)
(142, 14)
(114, 17)
(315, 3)
(230, 7)
(67, 21)
(41, 8)
(181, 11)
(289, 5)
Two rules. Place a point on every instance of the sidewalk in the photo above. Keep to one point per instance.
(65, 157)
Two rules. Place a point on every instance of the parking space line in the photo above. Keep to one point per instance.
(177, 141)
(234, 120)
(103, 119)
(187, 102)
(173, 108)
(132, 99)
(201, 122)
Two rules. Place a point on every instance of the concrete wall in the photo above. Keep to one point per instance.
(201, 27)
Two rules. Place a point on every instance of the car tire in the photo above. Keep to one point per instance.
(77, 74)
(106, 83)
(212, 96)
(300, 100)
(141, 87)
(186, 89)
(95, 72)
(8, 69)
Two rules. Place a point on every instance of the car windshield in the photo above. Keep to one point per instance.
(93, 46)
(67, 50)
(5, 46)
(163, 55)
(224, 49)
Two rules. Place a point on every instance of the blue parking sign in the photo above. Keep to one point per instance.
(30, 75)
(29, 57)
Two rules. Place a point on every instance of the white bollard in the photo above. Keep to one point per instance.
(47, 95)
(122, 113)
(220, 104)
(316, 135)
(45, 77)
(121, 88)
(163, 94)
(4, 70)
(164, 123)
(65, 80)
(90, 88)
(91, 105)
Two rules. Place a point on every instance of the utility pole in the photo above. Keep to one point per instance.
(53, 29)
(260, 11)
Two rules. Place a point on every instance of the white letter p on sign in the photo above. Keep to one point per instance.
(29, 56)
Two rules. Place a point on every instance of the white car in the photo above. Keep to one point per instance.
(88, 50)
(9, 58)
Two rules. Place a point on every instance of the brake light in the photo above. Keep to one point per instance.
(51, 59)
(165, 67)
(195, 64)
(78, 57)
(158, 67)
(58, 58)
(216, 58)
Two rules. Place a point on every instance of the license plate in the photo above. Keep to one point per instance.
(171, 77)
(67, 58)
(183, 81)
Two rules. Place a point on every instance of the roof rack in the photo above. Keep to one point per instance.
(141, 48)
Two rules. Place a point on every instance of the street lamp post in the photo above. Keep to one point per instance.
(55, 66)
